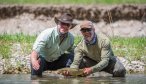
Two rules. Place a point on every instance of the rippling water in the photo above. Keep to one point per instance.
(25, 79)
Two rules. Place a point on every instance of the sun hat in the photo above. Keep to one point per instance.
(66, 18)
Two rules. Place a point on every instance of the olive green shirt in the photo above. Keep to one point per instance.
(100, 52)
(48, 44)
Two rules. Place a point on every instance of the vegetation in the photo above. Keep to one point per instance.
(72, 1)
(131, 48)
(7, 41)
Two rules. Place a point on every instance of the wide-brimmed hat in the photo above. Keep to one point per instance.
(86, 24)
(66, 18)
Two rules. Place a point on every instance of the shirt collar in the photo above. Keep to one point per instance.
(57, 33)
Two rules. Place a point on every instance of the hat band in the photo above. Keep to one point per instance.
(66, 24)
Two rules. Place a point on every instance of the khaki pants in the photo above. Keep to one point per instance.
(114, 67)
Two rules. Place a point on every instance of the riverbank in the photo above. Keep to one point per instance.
(15, 52)
(115, 20)
(20, 24)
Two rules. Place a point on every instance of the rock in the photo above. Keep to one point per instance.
(133, 66)
(18, 62)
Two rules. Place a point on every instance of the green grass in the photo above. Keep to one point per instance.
(72, 2)
(131, 48)
(7, 41)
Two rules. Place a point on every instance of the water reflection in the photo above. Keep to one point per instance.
(25, 79)
(103, 80)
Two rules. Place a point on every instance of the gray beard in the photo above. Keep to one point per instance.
(90, 38)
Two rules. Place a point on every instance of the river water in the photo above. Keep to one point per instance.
(25, 79)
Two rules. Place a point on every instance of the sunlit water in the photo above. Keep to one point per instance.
(25, 79)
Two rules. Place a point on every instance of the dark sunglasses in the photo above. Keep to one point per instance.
(85, 29)
(66, 24)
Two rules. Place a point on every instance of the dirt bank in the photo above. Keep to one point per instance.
(95, 13)
(118, 20)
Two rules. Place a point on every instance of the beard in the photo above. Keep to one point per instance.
(91, 37)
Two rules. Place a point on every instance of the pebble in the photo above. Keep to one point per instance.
(20, 63)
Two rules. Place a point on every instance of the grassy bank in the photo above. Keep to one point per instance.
(7, 41)
(131, 48)
(72, 1)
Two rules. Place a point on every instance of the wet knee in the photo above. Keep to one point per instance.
(119, 73)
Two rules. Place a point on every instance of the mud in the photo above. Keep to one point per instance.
(95, 13)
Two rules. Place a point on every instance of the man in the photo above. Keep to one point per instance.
(94, 53)
(50, 47)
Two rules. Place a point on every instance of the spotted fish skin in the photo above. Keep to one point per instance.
(72, 71)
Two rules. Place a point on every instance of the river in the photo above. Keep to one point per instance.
(25, 79)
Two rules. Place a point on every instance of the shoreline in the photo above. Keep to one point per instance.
(19, 63)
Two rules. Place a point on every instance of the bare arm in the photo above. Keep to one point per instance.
(34, 60)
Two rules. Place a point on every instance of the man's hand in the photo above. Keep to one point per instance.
(35, 64)
(34, 60)
(87, 71)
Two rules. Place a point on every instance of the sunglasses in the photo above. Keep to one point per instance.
(66, 24)
(85, 29)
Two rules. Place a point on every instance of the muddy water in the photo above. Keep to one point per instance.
(25, 79)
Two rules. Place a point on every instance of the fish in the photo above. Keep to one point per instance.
(72, 72)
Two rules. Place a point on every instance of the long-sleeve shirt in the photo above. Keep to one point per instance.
(100, 52)
(48, 44)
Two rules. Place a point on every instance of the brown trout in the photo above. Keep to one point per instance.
(72, 71)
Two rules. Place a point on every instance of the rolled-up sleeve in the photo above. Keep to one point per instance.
(40, 42)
